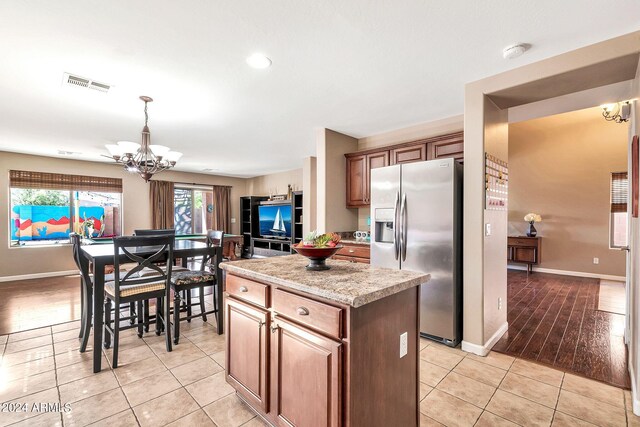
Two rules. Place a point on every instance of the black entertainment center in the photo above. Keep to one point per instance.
(270, 227)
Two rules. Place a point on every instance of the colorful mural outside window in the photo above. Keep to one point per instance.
(31, 222)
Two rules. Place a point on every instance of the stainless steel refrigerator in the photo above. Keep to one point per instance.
(417, 225)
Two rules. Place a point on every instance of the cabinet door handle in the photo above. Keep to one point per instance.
(302, 311)
(351, 251)
(274, 327)
(243, 289)
(261, 324)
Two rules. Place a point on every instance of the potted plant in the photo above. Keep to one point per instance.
(532, 218)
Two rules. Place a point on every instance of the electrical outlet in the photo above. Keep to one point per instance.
(499, 303)
(404, 344)
(487, 229)
(596, 260)
(233, 220)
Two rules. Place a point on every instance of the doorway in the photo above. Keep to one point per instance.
(567, 226)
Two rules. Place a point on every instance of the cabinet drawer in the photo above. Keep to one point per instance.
(516, 241)
(525, 255)
(351, 259)
(314, 314)
(247, 290)
(355, 251)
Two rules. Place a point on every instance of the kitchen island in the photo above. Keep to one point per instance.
(329, 348)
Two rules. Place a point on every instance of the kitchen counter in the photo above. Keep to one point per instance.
(355, 242)
(315, 348)
(347, 283)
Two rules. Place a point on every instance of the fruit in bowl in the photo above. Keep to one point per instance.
(318, 248)
(313, 240)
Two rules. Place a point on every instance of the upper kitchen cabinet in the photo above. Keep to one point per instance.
(359, 167)
(360, 164)
(411, 153)
(447, 146)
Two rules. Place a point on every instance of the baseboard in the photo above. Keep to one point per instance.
(483, 350)
(569, 273)
(38, 275)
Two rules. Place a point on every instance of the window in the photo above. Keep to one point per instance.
(45, 207)
(618, 219)
(193, 209)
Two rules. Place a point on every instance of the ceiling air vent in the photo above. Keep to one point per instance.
(82, 82)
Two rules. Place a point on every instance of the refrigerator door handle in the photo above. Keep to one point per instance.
(396, 227)
(403, 238)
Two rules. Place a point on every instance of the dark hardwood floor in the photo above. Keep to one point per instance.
(554, 320)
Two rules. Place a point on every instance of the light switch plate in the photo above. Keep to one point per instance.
(404, 344)
(487, 229)
(233, 220)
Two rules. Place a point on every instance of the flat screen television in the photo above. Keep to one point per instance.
(275, 220)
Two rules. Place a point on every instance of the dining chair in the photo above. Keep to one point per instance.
(86, 292)
(155, 232)
(135, 288)
(209, 274)
(148, 272)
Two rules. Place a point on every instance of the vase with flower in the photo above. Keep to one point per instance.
(532, 218)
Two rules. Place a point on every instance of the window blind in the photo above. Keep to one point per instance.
(619, 191)
(58, 181)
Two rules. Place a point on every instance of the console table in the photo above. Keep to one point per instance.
(523, 249)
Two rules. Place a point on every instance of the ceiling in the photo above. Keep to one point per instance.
(358, 67)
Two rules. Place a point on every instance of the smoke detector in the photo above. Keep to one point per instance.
(514, 50)
(84, 83)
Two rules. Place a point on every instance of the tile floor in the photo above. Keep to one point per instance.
(187, 387)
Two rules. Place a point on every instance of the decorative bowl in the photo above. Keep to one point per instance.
(317, 256)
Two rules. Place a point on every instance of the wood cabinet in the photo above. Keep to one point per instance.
(359, 176)
(302, 361)
(447, 148)
(354, 253)
(360, 164)
(409, 154)
(526, 250)
(246, 351)
(306, 377)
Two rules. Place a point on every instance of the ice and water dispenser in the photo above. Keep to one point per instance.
(384, 224)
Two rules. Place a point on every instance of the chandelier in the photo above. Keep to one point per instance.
(144, 159)
(618, 112)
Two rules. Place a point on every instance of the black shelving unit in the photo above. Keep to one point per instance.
(249, 225)
(254, 244)
(296, 218)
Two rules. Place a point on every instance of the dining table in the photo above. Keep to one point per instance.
(103, 255)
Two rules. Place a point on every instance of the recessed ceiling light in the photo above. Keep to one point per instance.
(258, 60)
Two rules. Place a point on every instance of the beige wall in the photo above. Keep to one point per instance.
(408, 134)
(559, 167)
(413, 133)
(310, 196)
(589, 68)
(275, 183)
(332, 213)
(496, 139)
(135, 205)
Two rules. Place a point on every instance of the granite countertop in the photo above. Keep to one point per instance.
(348, 283)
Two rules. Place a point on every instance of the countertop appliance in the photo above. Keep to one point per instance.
(417, 225)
